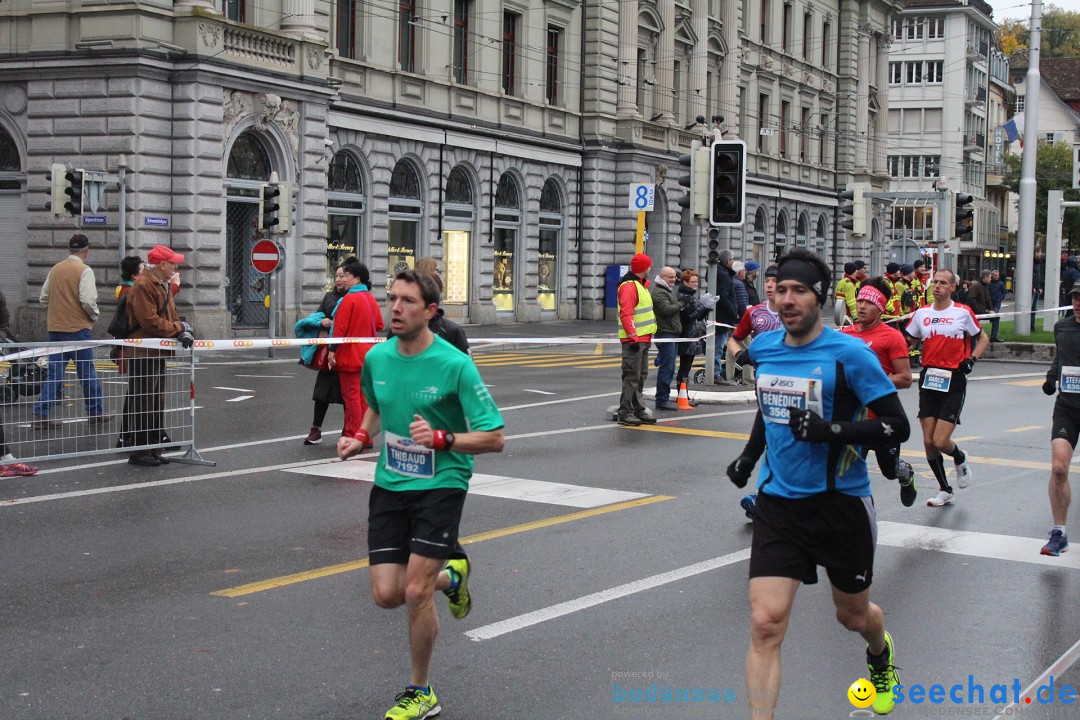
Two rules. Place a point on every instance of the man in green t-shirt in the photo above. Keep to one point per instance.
(435, 413)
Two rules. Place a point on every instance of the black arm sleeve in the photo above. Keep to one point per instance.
(755, 446)
(890, 427)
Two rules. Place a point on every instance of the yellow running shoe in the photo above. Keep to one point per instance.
(413, 704)
(884, 680)
(459, 599)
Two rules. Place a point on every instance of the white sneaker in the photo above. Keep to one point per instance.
(942, 498)
(963, 474)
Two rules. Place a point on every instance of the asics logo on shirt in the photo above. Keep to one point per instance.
(781, 382)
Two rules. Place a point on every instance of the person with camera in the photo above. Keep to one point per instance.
(151, 313)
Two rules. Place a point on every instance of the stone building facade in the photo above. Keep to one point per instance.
(499, 137)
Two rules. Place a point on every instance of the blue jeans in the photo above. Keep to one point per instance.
(665, 362)
(722, 335)
(84, 369)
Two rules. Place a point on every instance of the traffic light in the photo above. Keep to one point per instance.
(727, 182)
(714, 246)
(269, 206)
(73, 189)
(964, 215)
(697, 182)
(284, 208)
(859, 224)
(56, 177)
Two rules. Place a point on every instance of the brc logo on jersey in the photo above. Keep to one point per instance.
(937, 321)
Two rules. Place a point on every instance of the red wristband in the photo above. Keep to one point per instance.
(364, 438)
(438, 440)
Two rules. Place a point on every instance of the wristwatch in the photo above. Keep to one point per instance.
(450, 440)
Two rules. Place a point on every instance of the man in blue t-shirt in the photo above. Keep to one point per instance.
(814, 507)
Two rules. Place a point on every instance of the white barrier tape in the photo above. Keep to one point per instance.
(1059, 666)
(51, 348)
(990, 316)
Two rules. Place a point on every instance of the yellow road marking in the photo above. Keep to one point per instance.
(599, 349)
(691, 431)
(1025, 428)
(1027, 383)
(966, 438)
(251, 588)
(1003, 462)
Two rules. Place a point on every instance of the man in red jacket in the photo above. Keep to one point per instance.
(357, 315)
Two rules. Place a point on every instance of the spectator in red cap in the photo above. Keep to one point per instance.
(151, 313)
(637, 323)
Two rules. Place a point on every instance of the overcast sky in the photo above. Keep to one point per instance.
(1004, 9)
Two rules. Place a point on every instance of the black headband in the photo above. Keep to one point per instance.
(806, 273)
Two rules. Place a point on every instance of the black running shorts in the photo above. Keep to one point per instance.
(836, 531)
(1066, 425)
(943, 405)
(407, 522)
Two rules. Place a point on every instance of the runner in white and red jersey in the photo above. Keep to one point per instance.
(891, 349)
(952, 341)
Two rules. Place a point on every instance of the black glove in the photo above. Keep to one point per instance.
(1049, 386)
(186, 338)
(967, 365)
(739, 470)
(743, 358)
(807, 425)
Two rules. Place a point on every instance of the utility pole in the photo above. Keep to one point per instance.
(1025, 237)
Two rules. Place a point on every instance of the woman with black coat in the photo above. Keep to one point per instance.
(327, 386)
(694, 310)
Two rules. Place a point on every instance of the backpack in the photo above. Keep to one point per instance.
(118, 326)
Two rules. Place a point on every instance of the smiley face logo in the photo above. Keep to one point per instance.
(861, 693)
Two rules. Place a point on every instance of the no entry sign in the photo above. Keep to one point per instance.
(265, 256)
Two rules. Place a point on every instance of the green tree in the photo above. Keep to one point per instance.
(1053, 171)
(1060, 33)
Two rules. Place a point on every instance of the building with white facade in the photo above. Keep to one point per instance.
(939, 78)
(499, 137)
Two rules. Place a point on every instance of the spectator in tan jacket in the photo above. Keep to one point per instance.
(70, 295)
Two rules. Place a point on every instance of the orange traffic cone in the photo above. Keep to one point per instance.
(683, 401)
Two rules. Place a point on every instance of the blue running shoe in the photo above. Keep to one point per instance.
(749, 505)
(1059, 543)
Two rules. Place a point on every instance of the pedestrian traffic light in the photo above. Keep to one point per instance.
(73, 189)
(859, 223)
(714, 247)
(964, 215)
(269, 206)
(727, 182)
(58, 180)
(697, 197)
(285, 203)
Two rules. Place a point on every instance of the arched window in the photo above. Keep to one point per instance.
(404, 212)
(248, 159)
(459, 213)
(781, 232)
(801, 230)
(345, 212)
(759, 225)
(551, 239)
(507, 228)
(819, 236)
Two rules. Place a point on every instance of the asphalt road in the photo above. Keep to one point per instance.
(241, 590)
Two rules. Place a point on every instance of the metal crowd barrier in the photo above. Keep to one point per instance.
(77, 399)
